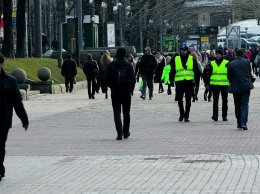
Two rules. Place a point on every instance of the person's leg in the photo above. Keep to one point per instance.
(93, 87)
(126, 106)
(179, 97)
(205, 94)
(150, 85)
(169, 91)
(215, 91)
(105, 90)
(237, 103)
(67, 84)
(197, 87)
(3, 138)
(89, 88)
(71, 84)
(144, 79)
(116, 104)
(244, 108)
(161, 90)
(224, 95)
(188, 94)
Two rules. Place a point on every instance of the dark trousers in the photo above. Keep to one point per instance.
(184, 87)
(147, 81)
(69, 82)
(98, 83)
(216, 90)
(91, 87)
(241, 101)
(196, 89)
(160, 86)
(3, 138)
(121, 100)
(209, 92)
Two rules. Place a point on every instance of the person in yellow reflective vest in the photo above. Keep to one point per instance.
(217, 81)
(184, 69)
(166, 75)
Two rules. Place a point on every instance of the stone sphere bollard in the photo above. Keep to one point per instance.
(44, 74)
(20, 75)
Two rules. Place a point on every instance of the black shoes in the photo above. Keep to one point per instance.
(143, 97)
(225, 119)
(181, 118)
(106, 96)
(244, 128)
(161, 91)
(126, 136)
(67, 89)
(150, 97)
(186, 120)
(1, 176)
(215, 118)
(119, 137)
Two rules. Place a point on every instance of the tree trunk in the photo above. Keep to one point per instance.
(21, 29)
(8, 46)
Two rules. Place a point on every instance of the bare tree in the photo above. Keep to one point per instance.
(8, 47)
(21, 29)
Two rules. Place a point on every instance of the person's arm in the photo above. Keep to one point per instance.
(173, 71)
(229, 73)
(206, 74)
(18, 105)
(105, 78)
(132, 79)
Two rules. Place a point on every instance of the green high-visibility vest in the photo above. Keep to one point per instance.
(219, 74)
(181, 73)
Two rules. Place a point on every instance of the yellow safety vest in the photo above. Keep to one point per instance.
(181, 73)
(219, 74)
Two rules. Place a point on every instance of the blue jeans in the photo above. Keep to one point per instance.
(241, 101)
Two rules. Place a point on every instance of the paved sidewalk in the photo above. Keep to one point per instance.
(70, 147)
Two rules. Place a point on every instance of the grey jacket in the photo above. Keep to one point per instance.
(239, 76)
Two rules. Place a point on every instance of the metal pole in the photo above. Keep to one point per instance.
(161, 29)
(49, 23)
(79, 16)
(120, 24)
(38, 28)
(60, 60)
(29, 30)
(141, 30)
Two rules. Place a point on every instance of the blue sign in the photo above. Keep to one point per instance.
(14, 22)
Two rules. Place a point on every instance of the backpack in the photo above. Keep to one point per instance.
(121, 75)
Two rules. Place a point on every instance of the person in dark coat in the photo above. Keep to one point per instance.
(147, 69)
(99, 75)
(161, 63)
(120, 92)
(91, 70)
(240, 78)
(230, 54)
(69, 71)
(10, 98)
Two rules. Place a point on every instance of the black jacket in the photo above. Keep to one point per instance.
(147, 65)
(239, 76)
(109, 77)
(10, 97)
(69, 68)
(90, 68)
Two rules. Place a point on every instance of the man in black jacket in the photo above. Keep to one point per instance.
(10, 97)
(240, 78)
(147, 69)
(69, 71)
(119, 76)
(91, 70)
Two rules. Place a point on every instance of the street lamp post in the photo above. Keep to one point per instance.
(141, 19)
(118, 9)
(29, 30)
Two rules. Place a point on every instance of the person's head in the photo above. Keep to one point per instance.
(184, 50)
(105, 59)
(219, 54)
(140, 55)
(231, 49)
(130, 57)
(101, 53)
(195, 56)
(69, 56)
(158, 54)
(168, 59)
(239, 53)
(120, 52)
(147, 50)
(2, 60)
(89, 56)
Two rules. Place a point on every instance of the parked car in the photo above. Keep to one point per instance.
(246, 43)
(256, 38)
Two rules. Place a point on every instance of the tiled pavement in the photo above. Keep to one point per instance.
(70, 147)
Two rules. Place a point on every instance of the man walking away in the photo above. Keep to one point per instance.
(90, 68)
(69, 71)
(147, 69)
(240, 78)
(217, 82)
(10, 98)
(119, 76)
(184, 70)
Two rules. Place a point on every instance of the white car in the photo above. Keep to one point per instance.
(256, 38)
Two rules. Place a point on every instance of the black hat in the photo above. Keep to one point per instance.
(120, 52)
(184, 48)
(220, 51)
